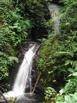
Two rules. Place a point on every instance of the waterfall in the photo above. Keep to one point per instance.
(24, 74)
(54, 12)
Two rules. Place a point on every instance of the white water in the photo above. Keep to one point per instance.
(55, 16)
(23, 75)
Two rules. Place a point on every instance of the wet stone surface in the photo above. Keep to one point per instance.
(28, 98)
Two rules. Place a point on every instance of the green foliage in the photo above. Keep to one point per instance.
(69, 20)
(49, 93)
(40, 12)
(14, 30)
(6, 1)
(71, 98)
(68, 2)
(37, 12)
(57, 60)
(58, 53)
(71, 86)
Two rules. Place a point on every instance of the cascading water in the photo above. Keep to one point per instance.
(24, 72)
(23, 75)
(54, 12)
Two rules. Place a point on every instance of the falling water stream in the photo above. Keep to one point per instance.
(24, 74)
(54, 13)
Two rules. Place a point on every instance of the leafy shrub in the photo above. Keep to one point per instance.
(71, 98)
(14, 30)
(57, 60)
(49, 93)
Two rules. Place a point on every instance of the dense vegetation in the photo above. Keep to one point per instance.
(58, 61)
(14, 29)
(57, 56)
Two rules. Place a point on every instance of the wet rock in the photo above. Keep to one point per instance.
(27, 98)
